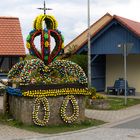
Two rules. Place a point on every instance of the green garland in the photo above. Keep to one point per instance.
(36, 107)
(75, 114)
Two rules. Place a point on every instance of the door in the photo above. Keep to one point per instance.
(98, 68)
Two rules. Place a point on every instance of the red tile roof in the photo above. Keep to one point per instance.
(129, 24)
(11, 40)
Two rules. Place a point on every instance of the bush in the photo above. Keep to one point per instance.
(98, 96)
(93, 91)
(2, 90)
(81, 60)
(28, 57)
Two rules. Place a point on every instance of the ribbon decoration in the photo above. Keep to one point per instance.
(50, 31)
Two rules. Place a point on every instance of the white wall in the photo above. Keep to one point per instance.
(115, 70)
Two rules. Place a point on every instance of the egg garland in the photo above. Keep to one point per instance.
(24, 69)
(36, 107)
(74, 116)
(49, 92)
(50, 21)
(44, 43)
(16, 70)
(29, 68)
(50, 31)
(57, 92)
(45, 55)
(68, 68)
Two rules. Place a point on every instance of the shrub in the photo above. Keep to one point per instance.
(2, 90)
(93, 91)
(28, 57)
(81, 60)
(98, 96)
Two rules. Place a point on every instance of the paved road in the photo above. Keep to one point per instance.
(97, 134)
(114, 116)
(12, 133)
(122, 130)
(133, 124)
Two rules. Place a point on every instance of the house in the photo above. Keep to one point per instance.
(107, 65)
(11, 43)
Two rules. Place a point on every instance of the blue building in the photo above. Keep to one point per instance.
(107, 34)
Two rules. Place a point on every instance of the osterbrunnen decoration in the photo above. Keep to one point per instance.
(48, 71)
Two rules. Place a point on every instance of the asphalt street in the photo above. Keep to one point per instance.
(133, 124)
(125, 130)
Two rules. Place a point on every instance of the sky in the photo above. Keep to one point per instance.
(70, 14)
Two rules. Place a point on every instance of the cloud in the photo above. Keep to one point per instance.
(71, 15)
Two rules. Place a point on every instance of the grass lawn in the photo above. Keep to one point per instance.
(51, 129)
(118, 103)
(115, 103)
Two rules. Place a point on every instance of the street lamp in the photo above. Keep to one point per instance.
(126, 47)
(89, 51)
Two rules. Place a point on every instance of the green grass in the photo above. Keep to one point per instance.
(51, 129)
(116, 103)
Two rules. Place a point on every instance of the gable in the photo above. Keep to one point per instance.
(133, 26)
(80, 40)
(107, 39)
(11, 40)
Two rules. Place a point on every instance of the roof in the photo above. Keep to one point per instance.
(130, 24)
(82, 38)
(11, 40)
(99, 25)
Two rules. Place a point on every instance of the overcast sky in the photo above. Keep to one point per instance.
(70, 14)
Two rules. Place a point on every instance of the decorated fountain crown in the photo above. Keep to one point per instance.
(65, 71)
(44, 77)
(46, 33)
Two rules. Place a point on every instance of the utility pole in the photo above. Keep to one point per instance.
(89, 46)
(126, 47)
(125, 78)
